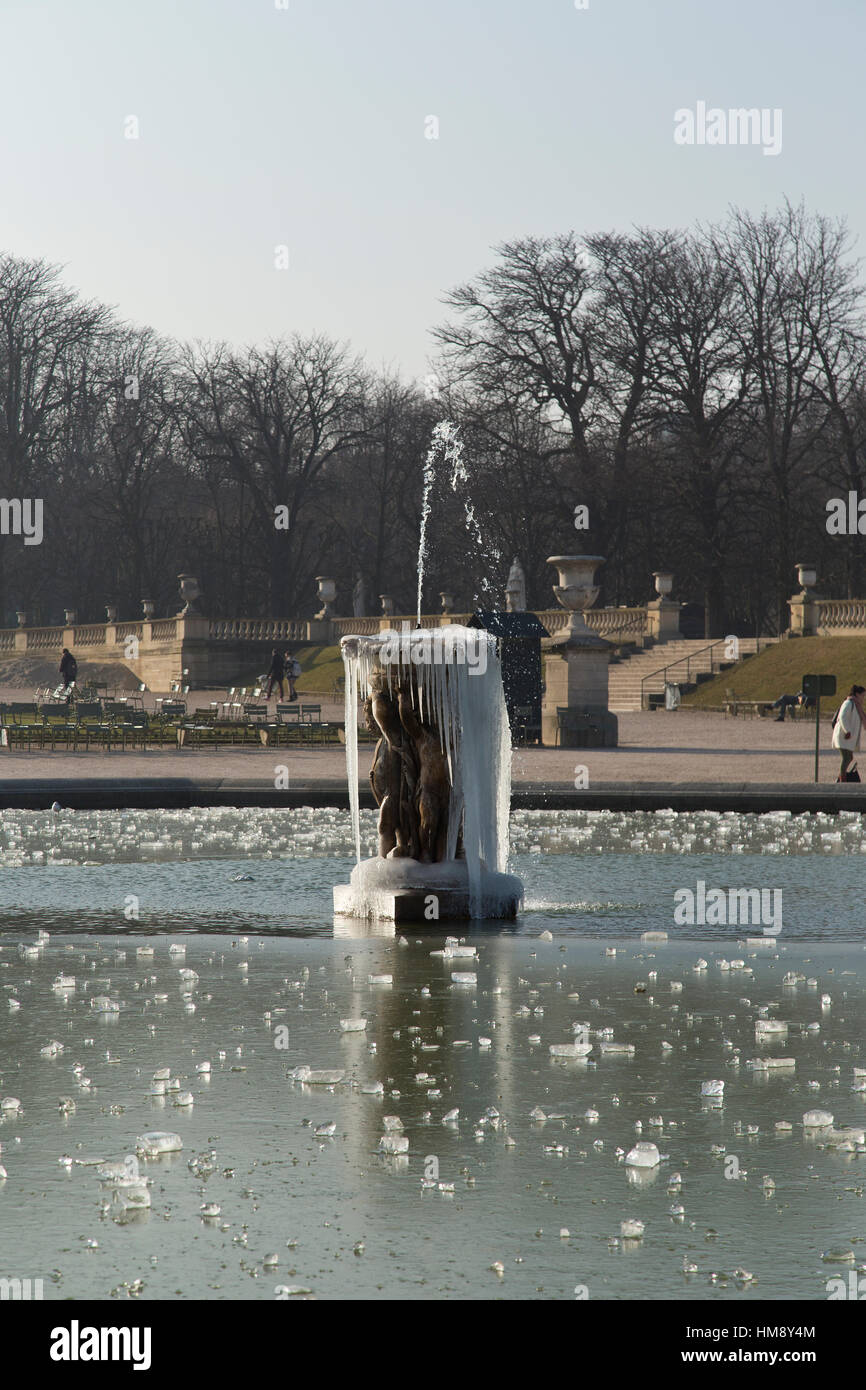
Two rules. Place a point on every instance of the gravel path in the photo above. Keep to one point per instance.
(676, 747)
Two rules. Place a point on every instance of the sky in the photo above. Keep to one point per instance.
(304, 124)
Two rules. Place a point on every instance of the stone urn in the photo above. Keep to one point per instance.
(664, 583)
(148, 608)
(387, 603)
(21, 617)
(447, 601)
(111, 612)
(190, 593)
(807, 577)
(326, 592)
(576, 590)
(69, 617)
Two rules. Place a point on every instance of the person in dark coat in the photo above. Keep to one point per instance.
(68, 667)
(293, 671)
(276, 672)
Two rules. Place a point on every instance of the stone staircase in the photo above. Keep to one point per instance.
(625, 677)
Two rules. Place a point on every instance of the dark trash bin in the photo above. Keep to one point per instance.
(518, 642)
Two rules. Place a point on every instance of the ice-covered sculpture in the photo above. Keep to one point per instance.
(441, 776)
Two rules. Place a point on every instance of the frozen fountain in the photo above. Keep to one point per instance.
(441, 776)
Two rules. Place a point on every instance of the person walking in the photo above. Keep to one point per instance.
(293, 671)
(276, 672)
(68, 670)
(847, 727)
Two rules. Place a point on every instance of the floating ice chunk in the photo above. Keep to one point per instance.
(380, 979)
(463, 977)
(850, 1135)
(632, 1229)
(130, 1199)
(353, 1025)
(575, 1049)
(393, 1144)
(326, 1130)
(64, 982)
(317, 1078)
(101, 1004)
(209, 1210)
(392, 1124)
(184, 1098)
(616, 1049)
(51, 1049)
(372, 1088)
(770, 1028)
(545, 936)
(203, 1068)
(159, 1141)
(643, 1155)
(712, 1088)
(817, 1119)
(452, 1116)
(485, 1042)
(10, 1105)
(654, 936)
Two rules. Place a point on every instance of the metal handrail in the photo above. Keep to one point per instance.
(692, 656)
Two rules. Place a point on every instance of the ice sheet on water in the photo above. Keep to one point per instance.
(106, 837)
(158, 1141)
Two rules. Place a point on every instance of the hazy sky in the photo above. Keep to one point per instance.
(305, 126)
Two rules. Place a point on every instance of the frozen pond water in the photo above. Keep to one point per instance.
(537, 1148)
(432, 1146)
(586, 873)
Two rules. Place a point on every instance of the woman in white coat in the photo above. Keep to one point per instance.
(847, 727)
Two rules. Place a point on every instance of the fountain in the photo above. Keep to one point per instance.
(441, 777)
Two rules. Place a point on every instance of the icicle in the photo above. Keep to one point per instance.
(352, 686)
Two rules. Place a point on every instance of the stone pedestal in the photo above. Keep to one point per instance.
(575, 675)
(407, 891)
(804, 614)
(320, 630)
(663, 620)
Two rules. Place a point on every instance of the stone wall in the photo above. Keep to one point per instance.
(221, 652)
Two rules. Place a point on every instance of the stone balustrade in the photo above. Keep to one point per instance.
(840, 617)
(217, 652)
(273, 630)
